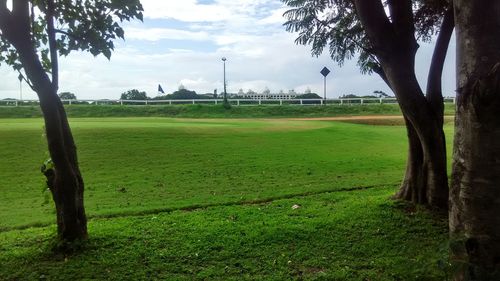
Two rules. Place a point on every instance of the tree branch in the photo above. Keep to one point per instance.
(32, 19)
(402, 16)
(380, 71)
(26, 80)
(49, 16)
(67, 34)
(20, 8)
(14, 24)
(434, 92)
(377, 26)
(5, 15)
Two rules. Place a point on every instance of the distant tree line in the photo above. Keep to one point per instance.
(180, 94)
(376, 94)
(183, 93)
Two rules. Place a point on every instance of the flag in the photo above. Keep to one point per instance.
(160, 90)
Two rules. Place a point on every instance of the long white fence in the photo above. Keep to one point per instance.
(237, 102)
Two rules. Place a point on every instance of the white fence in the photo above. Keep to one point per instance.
(237, 102)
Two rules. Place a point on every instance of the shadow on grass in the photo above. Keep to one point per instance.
(358, 235)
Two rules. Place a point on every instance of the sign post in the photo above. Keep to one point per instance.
(325, 71)
(20, 77)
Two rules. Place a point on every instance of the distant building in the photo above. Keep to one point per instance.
(266, 94)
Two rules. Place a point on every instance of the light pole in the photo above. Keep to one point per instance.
(225, 95)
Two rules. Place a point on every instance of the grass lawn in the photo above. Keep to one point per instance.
(212, 199)
(211, 111)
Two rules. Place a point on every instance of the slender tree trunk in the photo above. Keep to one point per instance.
(434, 91)
(414, 185)
(64, 180)
(475, 188)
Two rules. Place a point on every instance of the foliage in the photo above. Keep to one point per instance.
(335, 25)
(381, 94)
(182, 94)
(84, 25)
(67, 96)
(134, 94)
(226, 105)
(206, 111)
(309, 96)
(353, 96)
(211, 111)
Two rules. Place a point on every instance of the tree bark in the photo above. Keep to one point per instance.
(434, 91)
(65, 180)
(475, 189)
(422, 177)
(425, 181)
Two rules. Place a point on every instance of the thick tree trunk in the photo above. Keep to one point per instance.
(65, 180)
(425, 181)
(414, 185)
(395, 46)
(475, 188)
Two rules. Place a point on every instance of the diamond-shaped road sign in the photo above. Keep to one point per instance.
(325, 71)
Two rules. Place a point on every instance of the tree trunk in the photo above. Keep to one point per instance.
(395, 46)
(414, 185)
(65, 183)
(64, 180)
(475, 188)
(425, 181)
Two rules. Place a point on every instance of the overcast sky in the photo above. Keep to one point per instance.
(182, 42)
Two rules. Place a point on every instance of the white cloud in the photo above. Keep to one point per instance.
(260, 54)
(275, 18)
(156, 34)
(185, 10)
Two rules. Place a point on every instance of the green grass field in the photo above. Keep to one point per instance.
(183, 199)
(211, 111)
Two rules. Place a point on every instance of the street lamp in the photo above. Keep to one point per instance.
(225, 95)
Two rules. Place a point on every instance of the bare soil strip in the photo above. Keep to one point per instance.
(347, 118)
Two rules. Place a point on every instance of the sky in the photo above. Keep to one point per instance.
(182, 43)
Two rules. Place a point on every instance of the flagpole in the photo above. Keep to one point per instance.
(160, 90)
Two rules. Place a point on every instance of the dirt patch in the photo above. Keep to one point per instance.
(381, 120)
(347, 118)
(376, 120)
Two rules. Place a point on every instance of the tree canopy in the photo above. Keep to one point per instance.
(182, 94)
(76, 25)
(67, 96)
(134, 94)
(335, 25)
(309, 96)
